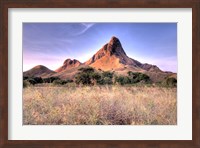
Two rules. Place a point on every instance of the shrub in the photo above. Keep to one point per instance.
(25, 77)
(122, 80)
(25, 83)
(107, 74)
(86, 70)
(50, 79)
(136, 77)
(87, 76)
(83, 78)
(171, 82)
(59, 82)
(107, 80)
(31, 81)
(69, 81)
(38, 79)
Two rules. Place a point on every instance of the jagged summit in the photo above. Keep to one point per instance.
(115, 47)
(112, 48)
(68, 64)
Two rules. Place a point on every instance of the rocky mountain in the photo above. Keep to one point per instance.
(39, 71)
(68, 64)
(111, 57)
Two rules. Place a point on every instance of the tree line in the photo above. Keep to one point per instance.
(89, 76)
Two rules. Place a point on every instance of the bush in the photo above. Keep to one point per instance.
(83, 78)
(38, 79)
(25, 78)
(170, 82)
(122, 80)
(50, 79)
(86, 70)
(107, 80)
(59, 82)
(136, 77)
(25, 83)
(107, 74)
(31, 81)
(87, 76)
(69, 81)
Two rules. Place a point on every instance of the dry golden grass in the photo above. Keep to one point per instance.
(93, 105)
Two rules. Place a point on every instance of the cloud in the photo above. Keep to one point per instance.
(86, 26)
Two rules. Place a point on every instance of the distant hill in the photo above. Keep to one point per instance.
(39, 71)
(111, 57)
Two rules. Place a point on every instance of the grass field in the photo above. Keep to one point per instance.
(99, 105)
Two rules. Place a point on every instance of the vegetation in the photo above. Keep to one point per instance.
(168, 82)
(88, 76)
(94, 105)
(100, 97)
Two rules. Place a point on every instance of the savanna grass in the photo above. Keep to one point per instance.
(99, 105)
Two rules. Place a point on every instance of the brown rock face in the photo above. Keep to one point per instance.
(68, 64)
(113, 57)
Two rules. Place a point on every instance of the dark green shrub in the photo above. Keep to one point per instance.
(69, 81)
(87, 76)
(50, 79)
(59, 82)
(122, 80)
(31, 81)
(25, 83)
(38, 79)
(25, 77)
(86, 70)
(171, 82)
(83, 78)
(136, 77)
(107, 80)
(107, 74)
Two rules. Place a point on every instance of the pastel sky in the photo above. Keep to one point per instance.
(49, 44)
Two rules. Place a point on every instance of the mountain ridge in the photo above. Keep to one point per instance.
(111, 57)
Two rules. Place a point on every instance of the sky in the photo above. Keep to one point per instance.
(49, 44)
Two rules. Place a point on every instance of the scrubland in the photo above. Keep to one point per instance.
(99, 105)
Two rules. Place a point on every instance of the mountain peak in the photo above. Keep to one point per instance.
(113, 47)
(68, 64)
(70, 61)
(114, 39)
(112, 50)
